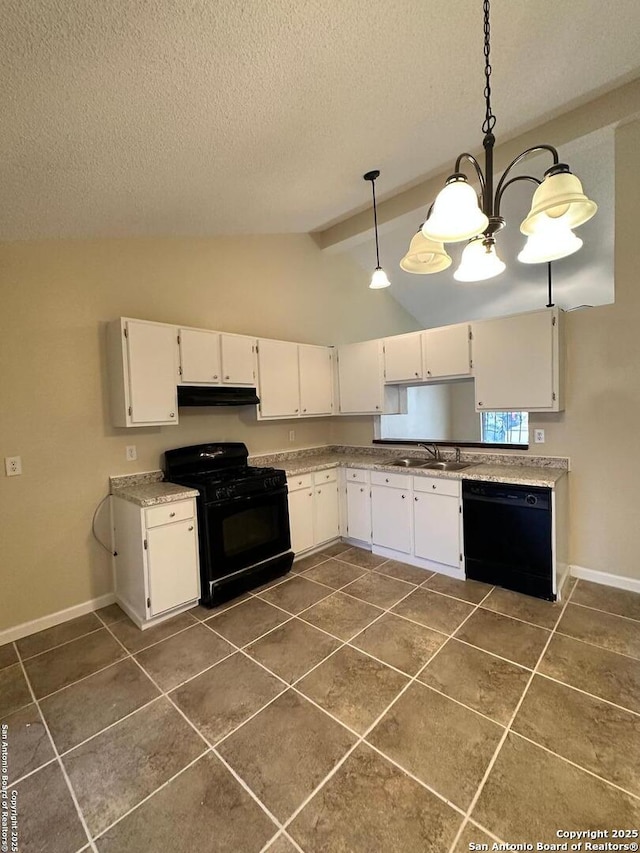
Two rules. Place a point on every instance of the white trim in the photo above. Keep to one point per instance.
(57, 618)
(606, 578)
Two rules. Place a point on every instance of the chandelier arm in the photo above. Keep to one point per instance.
(475, 165)
(533, 150)
(502, 187)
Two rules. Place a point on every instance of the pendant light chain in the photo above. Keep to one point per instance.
(490, 119)
(375, 221)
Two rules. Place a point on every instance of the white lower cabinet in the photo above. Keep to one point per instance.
(313, 509)
(358, 505)
(436, 520)
(157, 570)
(391, 511)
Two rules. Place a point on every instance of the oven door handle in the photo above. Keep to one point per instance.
(250, 498)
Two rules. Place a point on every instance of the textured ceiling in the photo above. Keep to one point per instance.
(135, 117)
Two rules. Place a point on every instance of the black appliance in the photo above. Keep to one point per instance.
(243, 517)
(206, 395)
(507, 536)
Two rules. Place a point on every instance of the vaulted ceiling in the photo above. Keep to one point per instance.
(176, 117)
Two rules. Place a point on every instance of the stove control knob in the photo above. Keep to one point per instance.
(532, 500)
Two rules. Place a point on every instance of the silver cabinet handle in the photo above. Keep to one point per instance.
(328, 475)
(310, 494)
(433, 487)
(428, 373)
(299, 482)
(416, 373)
(415, 499)
(295, 410)
(226, 377)
(172, 515)
(304, 410)
(216, 376)
(377, 407)
(172, 414)
(479, 403)
(191, 528)
(403, 497)
(362, 490)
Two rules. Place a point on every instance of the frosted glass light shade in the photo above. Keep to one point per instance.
(456, 215)
(551, 241)
(425, 256)
(479, 262)
(559, 196)
(379, 279)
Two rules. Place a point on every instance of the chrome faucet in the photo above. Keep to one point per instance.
(432, 449)
(457, 454)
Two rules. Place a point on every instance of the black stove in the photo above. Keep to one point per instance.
(243, 517)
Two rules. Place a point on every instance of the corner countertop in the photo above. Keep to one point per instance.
(148, 489)
(498, 468)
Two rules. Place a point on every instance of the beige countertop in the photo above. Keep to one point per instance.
(148, 489)
(493, 472)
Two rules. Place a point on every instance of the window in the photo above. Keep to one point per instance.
(505, 427)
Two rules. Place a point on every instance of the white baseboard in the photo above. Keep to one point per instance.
(619, 581)
(27, 628)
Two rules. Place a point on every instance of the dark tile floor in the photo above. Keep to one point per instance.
(356, 705)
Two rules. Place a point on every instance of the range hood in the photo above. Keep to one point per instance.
(203, 395)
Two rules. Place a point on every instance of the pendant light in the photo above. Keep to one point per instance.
(379, 278)
(425, 256)
(559, 204)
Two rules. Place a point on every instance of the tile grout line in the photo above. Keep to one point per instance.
(578, 766)
(507, 729)
(586, 693)
(60, 645)
(63, 769)
(367, 732)
(608, 612)
(210, 748)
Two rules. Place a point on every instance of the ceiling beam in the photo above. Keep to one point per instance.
(613, 108)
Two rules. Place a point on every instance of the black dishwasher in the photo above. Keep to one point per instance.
(507, 536)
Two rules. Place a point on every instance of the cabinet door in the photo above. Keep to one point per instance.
(301, 519)
(391, 518)
(447, 351)
(513, 362)
(403, 358)
(238, 360)
(326, 516)
(151, 353)
(199, 357)
(358, 512)
(436, 525)
(278, 372)
(316, 382)
(360, 377)
(172, 564)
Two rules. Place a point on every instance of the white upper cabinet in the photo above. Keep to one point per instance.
(403, 358)
(279, 379)
(361, 381)
(238, 360)
(316, 380)
(447, 351)
(199, 357)
(142, 373)
(516, 362)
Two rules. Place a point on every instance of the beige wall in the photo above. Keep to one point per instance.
(56, 298)
(599, 428)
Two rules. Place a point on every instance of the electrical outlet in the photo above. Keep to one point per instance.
(292, 435)
(131, 453)
(13, 466)
(538, 436)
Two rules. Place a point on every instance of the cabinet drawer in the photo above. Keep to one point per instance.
(300, 481)
(356, 475)
(329, 476)
(396, 481)
(166, 513)
(437, 486)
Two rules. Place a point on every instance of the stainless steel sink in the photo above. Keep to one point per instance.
(408, 462)
(446, 466)
(434, 464)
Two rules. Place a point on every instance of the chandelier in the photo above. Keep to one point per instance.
(558, 206)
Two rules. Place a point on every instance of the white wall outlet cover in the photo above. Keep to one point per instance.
(538, 436)
(13, 466)
(292, 435)
(131, 453)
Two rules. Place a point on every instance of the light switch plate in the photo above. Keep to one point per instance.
(131, 453)
(538, 436)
